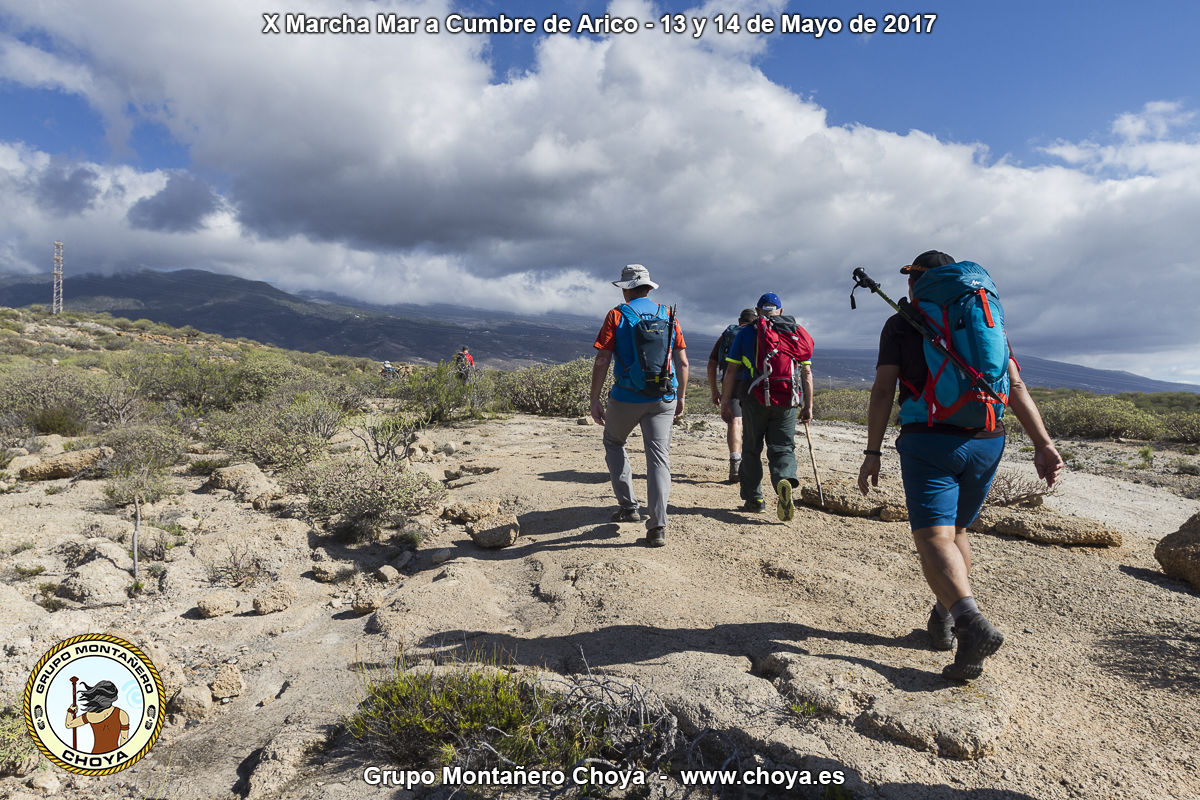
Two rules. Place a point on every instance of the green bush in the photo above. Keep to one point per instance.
(1182, 426)
(435, 392)
(51, 399)
(134, 446)
(480, 715)
(137, 484)
(848, 405)
(558, 390)
(17, 751)
(427, 718)
(363, 494)
(1090, 416)
(268, 436)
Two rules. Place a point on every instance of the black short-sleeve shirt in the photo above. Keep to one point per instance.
(901, 345)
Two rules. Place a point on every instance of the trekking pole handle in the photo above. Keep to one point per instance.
(863, 280)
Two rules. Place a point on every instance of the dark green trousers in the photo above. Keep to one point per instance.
(776, 427)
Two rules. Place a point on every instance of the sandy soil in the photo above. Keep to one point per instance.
(1095, 694)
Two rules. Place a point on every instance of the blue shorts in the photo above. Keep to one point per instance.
(946, 477)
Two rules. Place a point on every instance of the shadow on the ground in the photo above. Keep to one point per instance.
(574, 476)
(630, 644)
(1158, 579)
(1159, 657)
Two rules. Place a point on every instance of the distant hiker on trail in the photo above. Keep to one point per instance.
(464, 364)
(770, 368)
(644, 343)
(716, 374)
(387, 370)
(951, 436)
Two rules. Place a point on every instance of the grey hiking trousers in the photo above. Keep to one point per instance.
(656, 420)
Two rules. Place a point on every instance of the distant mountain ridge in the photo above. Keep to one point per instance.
(321, 321)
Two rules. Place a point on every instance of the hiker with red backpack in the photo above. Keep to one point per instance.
(644, 343)
(947, 349)
(716, 376)
(770, 369)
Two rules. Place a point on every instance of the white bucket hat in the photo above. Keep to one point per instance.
(633, 276)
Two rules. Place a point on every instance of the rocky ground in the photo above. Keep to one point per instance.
(801, 642)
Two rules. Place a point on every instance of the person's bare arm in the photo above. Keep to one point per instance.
(1046, 460)
(681, 361)
(806, 384)
(879, 410)
(599, 373)
(712, 382)
(732, 371)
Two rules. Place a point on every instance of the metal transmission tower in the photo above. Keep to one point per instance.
(56, 307)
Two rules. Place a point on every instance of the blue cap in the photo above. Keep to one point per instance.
(770, 301)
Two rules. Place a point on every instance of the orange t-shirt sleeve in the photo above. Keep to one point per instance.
(607, 338)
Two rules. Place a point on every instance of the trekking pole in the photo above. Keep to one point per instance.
(863, 281)
(75, 703)
(813, 459)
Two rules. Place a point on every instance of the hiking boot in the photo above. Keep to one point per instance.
(941, 631)
(977, 639)
(786, 508)
(756, 506)
(735, 466)
(656, 537)
(627, 515)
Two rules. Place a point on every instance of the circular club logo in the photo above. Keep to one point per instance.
(94, 704)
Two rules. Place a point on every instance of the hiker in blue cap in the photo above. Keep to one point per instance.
(770, 369)
(950, 440)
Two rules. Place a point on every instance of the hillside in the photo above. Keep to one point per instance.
(235, 307)
(783, 646)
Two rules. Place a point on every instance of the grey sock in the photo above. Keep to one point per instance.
(964, 608)
(941, 610)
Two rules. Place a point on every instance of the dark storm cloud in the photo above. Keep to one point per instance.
(66, 189)
(180, 207)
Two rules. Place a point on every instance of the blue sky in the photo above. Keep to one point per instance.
(1055, 143)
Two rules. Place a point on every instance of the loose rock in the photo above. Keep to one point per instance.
(495, 531)
(1045, 526)
(67, 465)
(275, 598)
(193, 702)
(216, 604)
(228, 682)
(1179, 552)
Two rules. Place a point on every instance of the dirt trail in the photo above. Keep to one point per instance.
(1095, 694)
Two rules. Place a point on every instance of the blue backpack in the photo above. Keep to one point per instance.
(726, 342)
(643, 364)
(959, 303)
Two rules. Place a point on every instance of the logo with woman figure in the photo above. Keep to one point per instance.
(94, 704)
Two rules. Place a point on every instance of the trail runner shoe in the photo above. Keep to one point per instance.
(735, 466)
(656, 537)
(786, 509)
(755, 506)
(977, 639)
(941, 631)
(627, 515)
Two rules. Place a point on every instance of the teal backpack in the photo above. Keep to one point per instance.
(959, 303)
(643, 352)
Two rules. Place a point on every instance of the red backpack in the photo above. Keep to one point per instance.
(781, 347)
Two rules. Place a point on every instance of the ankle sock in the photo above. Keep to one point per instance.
(964, 609)
(941, 610)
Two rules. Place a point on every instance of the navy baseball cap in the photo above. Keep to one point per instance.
(928, 260)
(769, 302)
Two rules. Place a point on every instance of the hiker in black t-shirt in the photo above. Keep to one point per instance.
(716, 375)
(946, 470)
